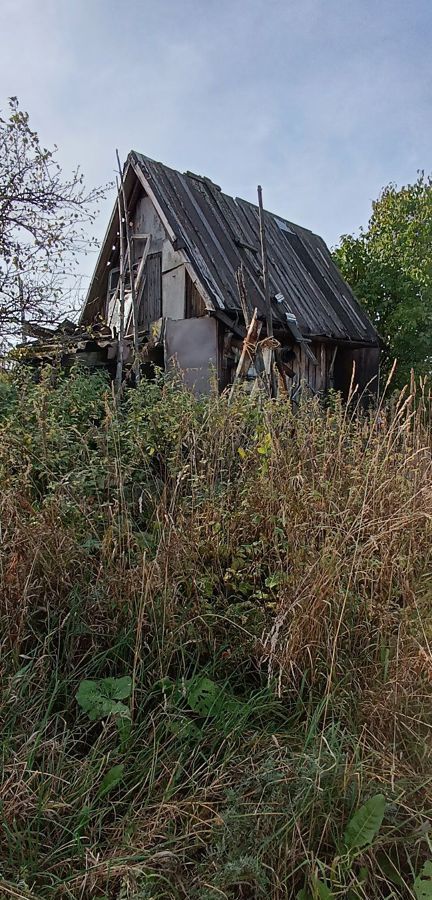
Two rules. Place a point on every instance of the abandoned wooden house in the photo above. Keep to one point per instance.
(188, 243)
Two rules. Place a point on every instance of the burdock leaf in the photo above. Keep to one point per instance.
(365, 823)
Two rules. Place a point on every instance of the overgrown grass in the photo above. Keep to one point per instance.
(264, 581)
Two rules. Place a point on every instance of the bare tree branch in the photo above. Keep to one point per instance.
(44, 217)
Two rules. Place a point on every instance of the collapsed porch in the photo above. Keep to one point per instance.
(205, 352)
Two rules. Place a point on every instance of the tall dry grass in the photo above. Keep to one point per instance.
(283, 559)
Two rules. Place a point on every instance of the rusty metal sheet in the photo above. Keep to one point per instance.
(191, 347)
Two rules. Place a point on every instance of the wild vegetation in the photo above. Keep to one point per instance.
(389, 266)
(215, 645)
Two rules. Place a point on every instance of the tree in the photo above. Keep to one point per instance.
(389, 267)
(43, 215)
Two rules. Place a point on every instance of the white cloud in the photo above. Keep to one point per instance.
(321, 102)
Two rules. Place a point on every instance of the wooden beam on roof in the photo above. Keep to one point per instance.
(245, 246)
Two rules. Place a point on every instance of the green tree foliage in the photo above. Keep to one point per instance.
(389, 266)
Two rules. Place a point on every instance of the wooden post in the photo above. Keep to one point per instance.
(248, 352)
(120, 349)
(130, 250)
(269, 314)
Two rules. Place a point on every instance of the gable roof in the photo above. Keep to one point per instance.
(217, 233)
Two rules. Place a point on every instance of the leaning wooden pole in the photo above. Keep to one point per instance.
(242, 293)
(120, 348)
(269, 314)
(130, 253)
(248, 353)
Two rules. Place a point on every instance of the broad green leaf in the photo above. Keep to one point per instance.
(118, 688)
(90, 698)
(119, 709)
(365, 823)
(205, 697)
(100, 699)
(423, 882)
(112, 778)
(210, 700)
(321, 890)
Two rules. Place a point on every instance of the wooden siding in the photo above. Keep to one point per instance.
(194, 303)
(151, 304)
(317, 377)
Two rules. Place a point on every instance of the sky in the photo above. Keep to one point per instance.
(323, 102)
